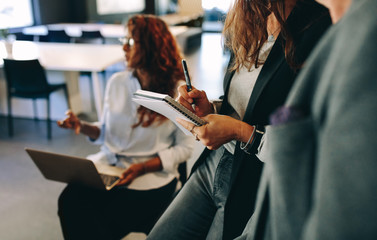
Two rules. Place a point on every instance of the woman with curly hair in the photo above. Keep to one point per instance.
(147, 145)
(269, 41)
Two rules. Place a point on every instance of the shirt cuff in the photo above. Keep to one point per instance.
(173, 156)
(101, 138)
(166, 160)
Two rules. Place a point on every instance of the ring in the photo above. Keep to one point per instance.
(192, 129)
(196, 137)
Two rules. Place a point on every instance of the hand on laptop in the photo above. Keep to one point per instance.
(71, 122)
(131, 173)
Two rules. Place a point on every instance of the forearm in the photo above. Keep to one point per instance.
(89, 130)
(243, 131)
(138, 169)
(152, 165)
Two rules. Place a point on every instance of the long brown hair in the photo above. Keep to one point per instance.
(158, 55)
(245, 31)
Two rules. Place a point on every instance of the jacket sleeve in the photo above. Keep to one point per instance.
(345, 183)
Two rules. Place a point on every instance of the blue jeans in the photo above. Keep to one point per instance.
(197, 212)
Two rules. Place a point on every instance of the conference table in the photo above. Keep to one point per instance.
(71, 59)
(108, 31)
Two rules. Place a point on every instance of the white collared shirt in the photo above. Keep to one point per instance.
(123, 145)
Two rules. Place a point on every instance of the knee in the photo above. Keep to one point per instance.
(68, 198)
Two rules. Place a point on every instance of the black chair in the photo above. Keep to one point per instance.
(93, 37)
(27, 79)
(56, 36)
(182, 170)
(23, 37)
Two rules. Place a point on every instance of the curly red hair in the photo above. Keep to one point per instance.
(157, 54)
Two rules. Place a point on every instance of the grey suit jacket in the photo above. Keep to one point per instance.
(321, 181)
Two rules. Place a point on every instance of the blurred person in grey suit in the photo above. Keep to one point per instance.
(319, 182)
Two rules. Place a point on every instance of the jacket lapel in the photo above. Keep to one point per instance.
(273, 61)
(227, 79)
(226, 83)
(269, 68)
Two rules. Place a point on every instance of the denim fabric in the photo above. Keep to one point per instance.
(197, 212)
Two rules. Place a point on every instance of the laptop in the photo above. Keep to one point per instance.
(70, 169)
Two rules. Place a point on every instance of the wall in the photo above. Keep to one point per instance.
(114, 18)
(54, 11)
(81, 11)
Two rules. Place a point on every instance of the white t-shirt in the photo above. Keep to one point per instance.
(241, 87)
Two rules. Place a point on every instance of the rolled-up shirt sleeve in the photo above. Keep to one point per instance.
(101, 138)
(179, 152)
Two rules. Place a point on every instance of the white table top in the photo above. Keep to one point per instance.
(67, 56)
(107, 30)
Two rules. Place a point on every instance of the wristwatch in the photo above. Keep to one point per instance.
(252, 147)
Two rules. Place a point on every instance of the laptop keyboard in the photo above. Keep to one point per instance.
(108, 180)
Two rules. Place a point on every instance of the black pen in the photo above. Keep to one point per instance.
(185, 71)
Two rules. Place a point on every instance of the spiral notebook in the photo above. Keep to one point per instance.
(167, 106)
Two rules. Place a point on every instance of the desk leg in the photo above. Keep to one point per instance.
(74, 91)
(97, 89)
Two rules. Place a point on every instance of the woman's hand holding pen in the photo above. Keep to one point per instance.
(219, 129)
(198, 97)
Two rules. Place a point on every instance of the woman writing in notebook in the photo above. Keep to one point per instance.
(269, 40)
(131, 137)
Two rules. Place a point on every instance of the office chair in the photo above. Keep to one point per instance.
(182, 170)
(23, 37)
(57, 36)
(93, 37)
(27, 79)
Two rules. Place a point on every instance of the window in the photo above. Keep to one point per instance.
(16, 13)
(222, 5)
(119, 6)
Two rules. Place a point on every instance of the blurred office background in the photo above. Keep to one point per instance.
(28, 202)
